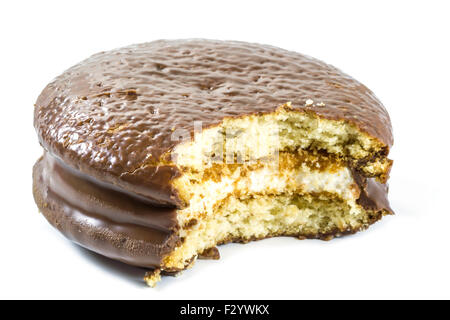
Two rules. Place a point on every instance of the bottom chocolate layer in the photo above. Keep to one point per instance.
(101, 219)
(129, 229)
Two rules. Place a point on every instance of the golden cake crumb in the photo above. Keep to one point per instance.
(152, 277)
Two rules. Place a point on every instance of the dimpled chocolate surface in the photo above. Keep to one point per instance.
(112, 115)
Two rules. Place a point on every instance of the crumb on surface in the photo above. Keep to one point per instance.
(152, 277)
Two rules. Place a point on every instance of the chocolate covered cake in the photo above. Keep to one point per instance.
(156, 153)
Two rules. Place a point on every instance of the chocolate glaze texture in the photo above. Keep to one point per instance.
(112, 115)
(101, 219)
(373, 194)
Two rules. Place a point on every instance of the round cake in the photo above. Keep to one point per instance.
(156, 153)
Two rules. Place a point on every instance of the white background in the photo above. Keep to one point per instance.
(399, 49)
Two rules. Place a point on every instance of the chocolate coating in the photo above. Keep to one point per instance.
(373, 195)
(112, 115)
(101, 219)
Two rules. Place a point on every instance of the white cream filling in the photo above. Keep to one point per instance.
(266, 180)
